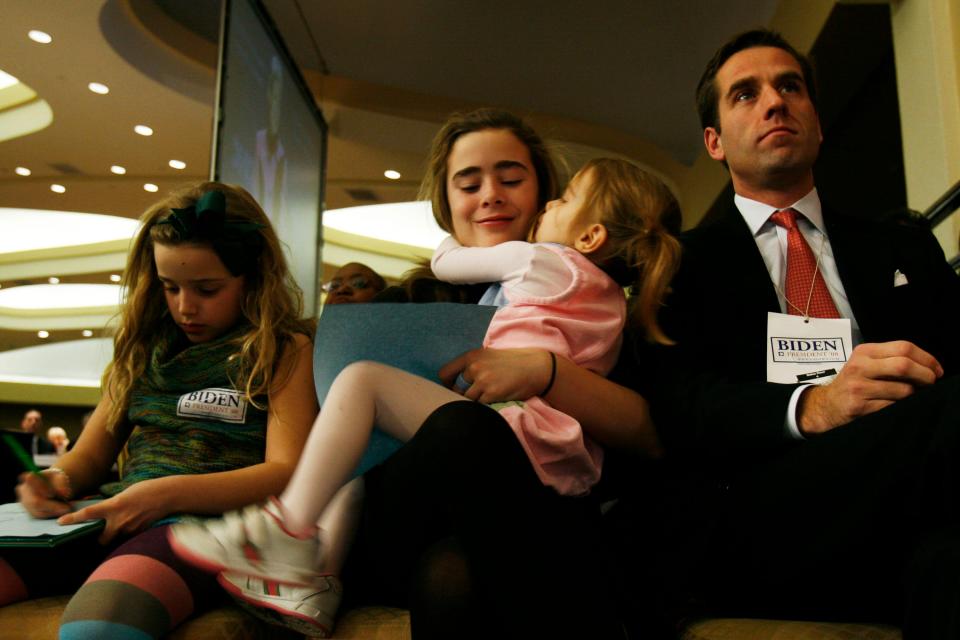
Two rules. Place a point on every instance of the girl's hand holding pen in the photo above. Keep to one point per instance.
(44, 494)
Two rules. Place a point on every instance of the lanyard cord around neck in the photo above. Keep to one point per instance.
(805, 312)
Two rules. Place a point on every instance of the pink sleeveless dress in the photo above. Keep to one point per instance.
(559, 301)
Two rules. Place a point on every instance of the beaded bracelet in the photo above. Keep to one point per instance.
(553, 375)
(66, 477)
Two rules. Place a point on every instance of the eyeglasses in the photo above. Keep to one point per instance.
(356, 282)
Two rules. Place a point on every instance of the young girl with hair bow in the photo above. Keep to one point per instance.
(210, 397)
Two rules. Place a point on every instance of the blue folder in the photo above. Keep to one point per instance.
(419, 338)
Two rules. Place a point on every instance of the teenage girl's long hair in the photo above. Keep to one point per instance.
(272, 301)
(641, 216)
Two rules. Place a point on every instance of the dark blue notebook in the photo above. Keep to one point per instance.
(419, 338)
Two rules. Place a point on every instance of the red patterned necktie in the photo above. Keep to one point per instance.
(802, 272)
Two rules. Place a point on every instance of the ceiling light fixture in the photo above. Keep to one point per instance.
(58, 188)
(53, 280)
(33, 229)
(61, 298)
(409, 223)
(178, 164)
(393, 175)
(115, 277)
(43, 334)
(143, 130)
(117, 169)
(7, 80)
(152, 188)
(68, 364)
(98, 87)
(86, 333)
(41, 37)
(22, 171)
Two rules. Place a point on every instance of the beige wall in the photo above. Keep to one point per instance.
(926, 39)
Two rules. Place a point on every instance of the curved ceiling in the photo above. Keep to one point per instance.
(622, 64)
(610, 79)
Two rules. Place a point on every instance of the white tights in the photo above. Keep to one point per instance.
(364, 394)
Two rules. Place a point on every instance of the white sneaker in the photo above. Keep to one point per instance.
(307, 610)
(252, 541)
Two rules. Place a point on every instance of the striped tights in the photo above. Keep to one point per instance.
(138, 591)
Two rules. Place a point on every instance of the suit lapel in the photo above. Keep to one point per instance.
(736, 285)
(861, 268)
(742, 260)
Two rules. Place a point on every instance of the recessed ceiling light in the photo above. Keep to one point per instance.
(22, 171)
(117, 169)
(58, 188)
(53, 280)
(393, 175)
(143, 130)
(39, 36)
(43, 334)
(115, 277)
(97, 87)
(178, 164)
(86, 333)
(152, 188)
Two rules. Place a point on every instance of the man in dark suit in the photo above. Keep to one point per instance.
(32, 422)
(833, 501)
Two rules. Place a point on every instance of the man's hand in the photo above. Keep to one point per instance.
(876, 376)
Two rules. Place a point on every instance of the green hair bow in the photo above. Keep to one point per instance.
(207, 218)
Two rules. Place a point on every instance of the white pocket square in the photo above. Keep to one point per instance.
(899, 279)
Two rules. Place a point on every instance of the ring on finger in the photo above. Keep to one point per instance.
(462, 383)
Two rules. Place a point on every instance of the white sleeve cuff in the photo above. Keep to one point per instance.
(791, 418)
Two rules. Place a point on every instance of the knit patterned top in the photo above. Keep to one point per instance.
(188, 417)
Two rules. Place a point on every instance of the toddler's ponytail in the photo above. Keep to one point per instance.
(655, 255)
(640, 215)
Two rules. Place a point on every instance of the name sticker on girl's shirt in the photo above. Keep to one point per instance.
(226, 405)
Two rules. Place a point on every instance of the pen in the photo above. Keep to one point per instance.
(27, 461)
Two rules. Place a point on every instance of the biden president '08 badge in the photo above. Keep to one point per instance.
(811, 350)
(226, 405)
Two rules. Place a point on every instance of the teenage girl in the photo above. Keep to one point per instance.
(210, 394)
(555, 295)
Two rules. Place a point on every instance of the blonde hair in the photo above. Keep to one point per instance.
(272, 301)
(640, 215)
